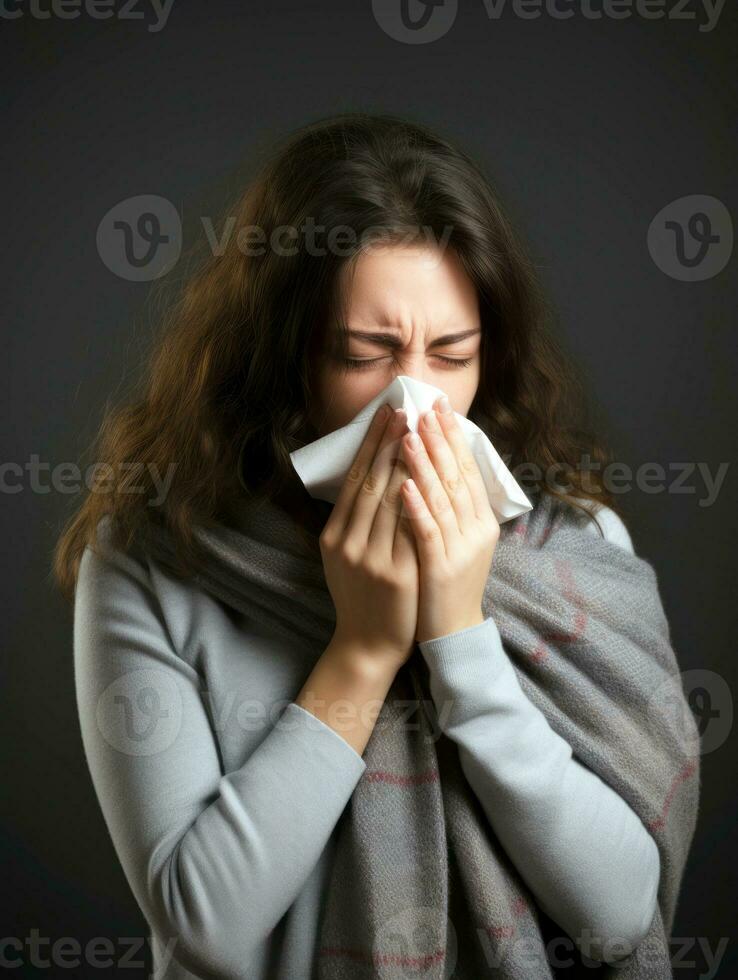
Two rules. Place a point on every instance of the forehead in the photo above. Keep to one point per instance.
(409, 287)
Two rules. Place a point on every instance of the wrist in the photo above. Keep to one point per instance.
(363, 663)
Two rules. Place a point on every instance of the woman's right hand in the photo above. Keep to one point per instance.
(368, 549)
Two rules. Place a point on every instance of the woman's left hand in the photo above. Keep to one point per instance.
(455, 529)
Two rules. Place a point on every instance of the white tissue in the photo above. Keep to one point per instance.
(322, 465)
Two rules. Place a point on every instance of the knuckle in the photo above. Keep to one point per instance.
(393, 494)
(370, 484)
(452, 484)
(377, 572)
(355, 473)
(326, 541)
(349, 555)
(429, 532)
(468, 463)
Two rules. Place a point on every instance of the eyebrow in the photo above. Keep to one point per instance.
(393, 341)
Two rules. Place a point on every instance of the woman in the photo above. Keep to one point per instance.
(245, 655)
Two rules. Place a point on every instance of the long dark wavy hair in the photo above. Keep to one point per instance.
(228, 379)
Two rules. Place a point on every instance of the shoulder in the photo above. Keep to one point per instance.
(105, 569)
(125, 593)
(608, 524)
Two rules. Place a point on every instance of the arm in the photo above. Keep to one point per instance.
(213, 859)
(346, 689)
(581, 849)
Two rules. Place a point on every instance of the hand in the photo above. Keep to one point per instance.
(368, 550)
(456, 531)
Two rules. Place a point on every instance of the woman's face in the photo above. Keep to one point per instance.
(406, 305)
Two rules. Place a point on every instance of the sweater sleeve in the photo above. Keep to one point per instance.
(213, 859)
(582, 850)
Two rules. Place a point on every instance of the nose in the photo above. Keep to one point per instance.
(413, 366)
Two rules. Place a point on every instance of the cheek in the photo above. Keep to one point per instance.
(342, 396)
(460, 386)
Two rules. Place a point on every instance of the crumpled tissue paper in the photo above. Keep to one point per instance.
(322, 465)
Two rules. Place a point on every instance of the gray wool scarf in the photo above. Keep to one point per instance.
(419, 884)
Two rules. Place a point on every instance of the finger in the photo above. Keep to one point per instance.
(427, 534)
(404, 536)
(404, 545)
(369, 500)
(436, 492)
(467, 464)
(448, 474)
(387, 517)
(359, 468)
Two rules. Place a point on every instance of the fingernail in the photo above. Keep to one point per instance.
(444, 404)
(383, 412)
(430, 420)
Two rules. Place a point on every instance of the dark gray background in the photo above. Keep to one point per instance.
(588, 128)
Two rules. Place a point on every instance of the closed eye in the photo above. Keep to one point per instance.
(361, 364)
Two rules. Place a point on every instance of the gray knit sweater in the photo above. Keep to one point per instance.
(221, 794)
